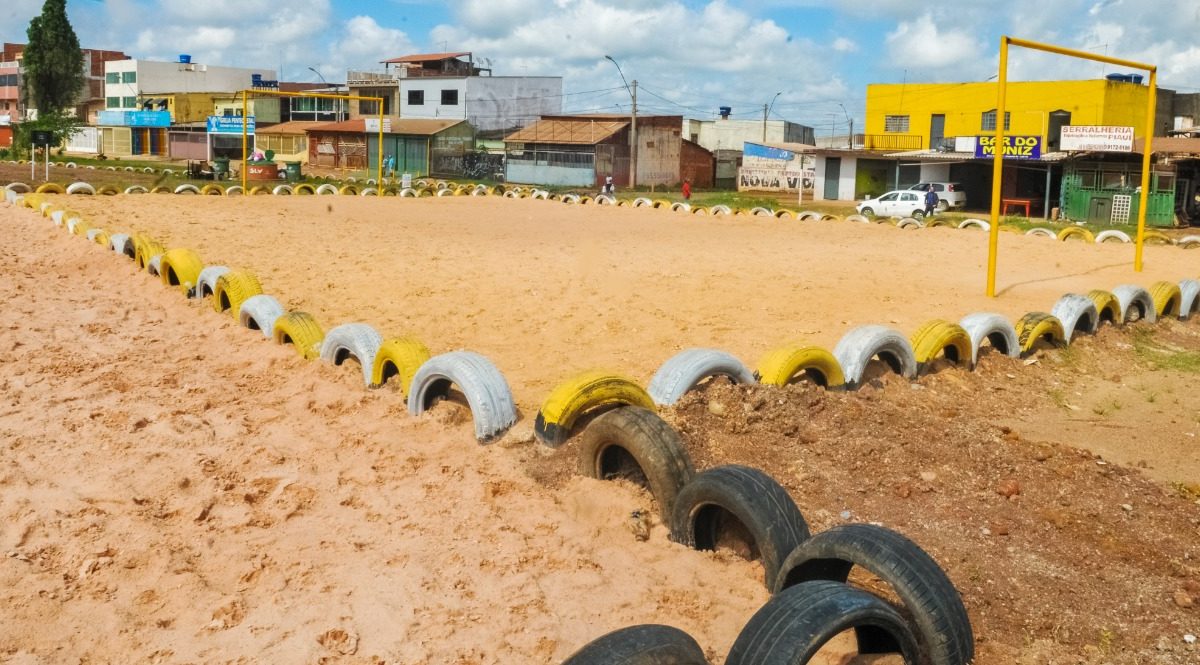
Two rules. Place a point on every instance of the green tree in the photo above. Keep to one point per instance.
(53, 61)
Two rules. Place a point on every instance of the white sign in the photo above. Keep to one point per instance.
(372, 125)
(1097, 138)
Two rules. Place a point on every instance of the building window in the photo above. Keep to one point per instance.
(449, 98)
(128, 77)
(112, 103)
(112, 77)
(416, 97)
(1087, 179)
(895, 124)
(368, 107)
(988, 124)
(129, 102)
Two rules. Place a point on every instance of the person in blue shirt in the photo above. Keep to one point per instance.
(931, 201)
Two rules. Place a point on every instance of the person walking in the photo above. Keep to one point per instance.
(931, 201)
(687, 189)
(609, 188)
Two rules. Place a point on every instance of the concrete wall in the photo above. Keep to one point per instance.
(550, 175)
(697, 165)
(85, 141)
(658, 155)
(263, 109)
(846, 178)
(497, 103)
(432, 107)
(731, 134)
(155, 77)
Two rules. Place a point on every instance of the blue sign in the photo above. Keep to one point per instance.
(229, 124)
(767, 152)
(1015, 147)
(134, 118)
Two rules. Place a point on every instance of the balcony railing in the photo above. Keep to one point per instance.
(892, 142)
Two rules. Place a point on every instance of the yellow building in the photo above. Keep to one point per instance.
(929, 116)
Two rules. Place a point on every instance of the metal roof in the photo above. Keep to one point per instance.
(424, 57)
(412, 126)
(581, 131)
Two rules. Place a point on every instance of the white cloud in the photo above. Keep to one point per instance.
(921, 44)
(844, 45)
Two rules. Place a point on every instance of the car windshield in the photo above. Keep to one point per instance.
(889, 197)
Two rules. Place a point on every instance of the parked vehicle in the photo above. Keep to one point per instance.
(950, 194)
(898, 203)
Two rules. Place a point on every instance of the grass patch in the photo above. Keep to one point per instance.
(1162, 357)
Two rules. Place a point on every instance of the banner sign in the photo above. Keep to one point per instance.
(229, 124)
(372, 125)
(1015, 147)
(1097, 138)
(134, 118)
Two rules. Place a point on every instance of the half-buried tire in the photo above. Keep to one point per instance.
(856, 348)
(995, 329)
(1167, 298)
(645, 644)
(787, 364)
(259, 313)
(1189, 298)
(1136, 303)
(929, 598)
(687, 369)
(941, 338)
(1077, 314)
(206, 281)
(486, 391)
(1037, 327)
(1108, 308)
(352, 340)
(587, 393)
(400, 358)
(300, 330)
(739, 501)
(636, 444)
(234, 288)
(181, 268)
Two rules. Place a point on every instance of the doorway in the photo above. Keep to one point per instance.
(833, 176)
(937, 130)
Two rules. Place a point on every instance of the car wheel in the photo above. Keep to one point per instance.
(918, 214)
(867, 212)
(943, 206)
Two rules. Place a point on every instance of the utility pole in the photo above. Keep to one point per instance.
(764, 123)
(766, 112)
(633, 137)
(849, 121)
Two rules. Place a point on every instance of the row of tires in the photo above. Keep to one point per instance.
(626, 440)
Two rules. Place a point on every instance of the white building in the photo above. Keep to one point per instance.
(128, 83)
(443, 86)
(726, 134)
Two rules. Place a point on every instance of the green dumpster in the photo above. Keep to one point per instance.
(220, 168)
(293, 171)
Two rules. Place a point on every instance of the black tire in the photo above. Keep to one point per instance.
(762, 507)
(929, 597)
(646, 644)
(794, 624)
(943, 205)
(630, 441)
(918, 214)
(867, 212)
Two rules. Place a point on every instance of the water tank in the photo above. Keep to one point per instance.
(185, 59)
(725, 111)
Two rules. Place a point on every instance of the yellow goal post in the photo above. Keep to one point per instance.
(998, 156)
(258, 91)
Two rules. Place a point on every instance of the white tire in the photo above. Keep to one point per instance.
(57, 217)
(995, 329)
(154, 265)
(602, 200)
(1112, 234)
(357, 340)
(234, 190)
(1189, 298)
(187, 188)
(686, 369)
(92, 233)
(487, 393)
(641, 202)
(369, 191)
(859, 346)
(676, 207)
(136, 189)
(1188, 242)
(720, 209)
(283, 190)
(858, 218)
(1135, 302)
(117, 242)
(18, 187)
(1041, 232)
(206, 282)
(761, 211)
(81, 188)
(259, 313)
(409, 192)
(975, 224)
(808, 215)
(327, 190)
(1076, 313)
(910, 223)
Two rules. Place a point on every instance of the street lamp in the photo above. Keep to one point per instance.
(633, 145)
(849, 121)
(338, 104)
(766, 111)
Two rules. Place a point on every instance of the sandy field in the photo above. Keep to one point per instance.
(175, 489)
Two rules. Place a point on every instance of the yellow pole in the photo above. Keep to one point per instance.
(244, 140)
(379, 152)
(997, 167)
(1146, 150)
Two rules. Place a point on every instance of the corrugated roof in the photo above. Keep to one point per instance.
(424, 57)
(412, 126)
(293, 127)
(581, 131)
(1170, 145)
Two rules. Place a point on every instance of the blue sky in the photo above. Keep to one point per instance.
(689, 56)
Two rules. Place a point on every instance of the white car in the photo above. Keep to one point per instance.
(950, 194)
(899, 203)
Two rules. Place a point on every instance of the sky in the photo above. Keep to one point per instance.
(690, 57)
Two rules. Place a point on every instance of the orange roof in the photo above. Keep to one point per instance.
(293, 127)
(582, 131)
(425, 57)
(412, 126)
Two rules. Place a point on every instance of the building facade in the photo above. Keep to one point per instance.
(131, 85)
(728, 134)
(91, 98)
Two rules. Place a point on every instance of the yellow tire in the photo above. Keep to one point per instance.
(181, 267)
(584, 394)
(144, 249)
(348, 190)
(1108, 308)
(783, 365)
(233, 288)
(300, 330)
(304, 188)
(50, 210)
(1167, 297)
(1011, 228)
(401, 358)
(699, 210)
(107, 190)
(258, 190)
(161, 189)
(1152, 237)
(1076, 231)
(81, 228)
(101, 239)
(212, 190)
(661, 203)
(50, 188)
(938, 337)
(1036, 326)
